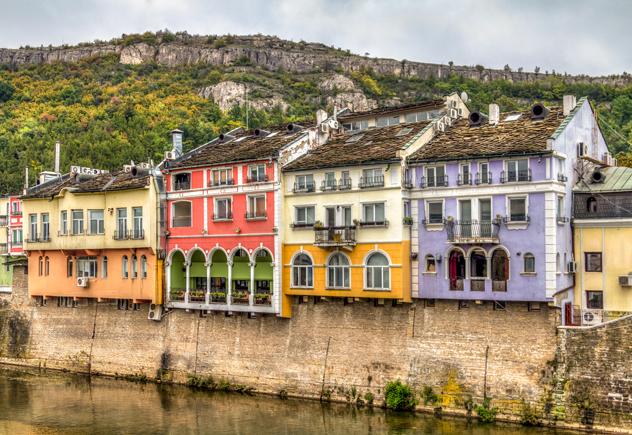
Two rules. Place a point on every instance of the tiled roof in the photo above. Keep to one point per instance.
(367, 146)
(241, 147)
(509, 137)
(423, 105)
(617, 179)
(86, 184)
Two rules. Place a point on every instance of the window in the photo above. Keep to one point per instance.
(529, 263)
(374, 213)
(33, 228)
(45, 227)
(181, 214)
(591, 205)
(121, 223)
(256, 206)
(478, 264)
(69, 267)
(518, 170)
(87, 267)
(338, 271)
(104, 267)
(594, 300)
(46, 266)
(484, 175)
(387, 120)
(77, 222)
(134, 267)
(223, 209)
(435, 176)
(345, 181)
(560, 207)
(431, 264)
(304, 216)
(465, 174)
(357, 125)
(222, 177)
(377, 272)
(330, 181)
(16, 237)
(137, 214)
(182, 181)
(40, 270)
(416, 116)
(95, 218)
(63, 222)
(372, 177)
(435, 212)
(302, 271)
(557, 263)
(518, 209)
(593, 261)
(257, 173)
(143, 268)
(304, 183)
(125, 267)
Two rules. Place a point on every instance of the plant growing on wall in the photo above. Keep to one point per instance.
(399, 396)
(486, 413)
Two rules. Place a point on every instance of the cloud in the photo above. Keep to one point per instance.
(582, 36)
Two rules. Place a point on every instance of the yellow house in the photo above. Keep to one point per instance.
(603, 241)
(94, 236)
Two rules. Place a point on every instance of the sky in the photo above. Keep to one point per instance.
(573, 36)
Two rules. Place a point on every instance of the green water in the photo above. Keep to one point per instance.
(54, 403)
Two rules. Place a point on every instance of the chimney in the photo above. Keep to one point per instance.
(321, 115)
(176, 141)
(26, 179)
(569, 104)
(494, 114)
(57, 156)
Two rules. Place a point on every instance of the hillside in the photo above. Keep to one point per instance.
(111, 102)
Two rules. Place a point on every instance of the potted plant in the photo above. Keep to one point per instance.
(262, 298)
(318, 225)
(408, 220)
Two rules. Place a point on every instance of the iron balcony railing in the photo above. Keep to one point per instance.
(456, 284)
(335, 236)
(121, 235)
(134, 234)
(382, 223)
(256, 215)
(16, 212)
(223, 216)
(439, 181)
(374, 181)
(483, 178)
(477, 285)
(472, 232)
(464, 179)
(216, 183)
(407, 183)
(516, 218)
(328, 185)
(182, 185)
(344, 184)
(561, 177)
(258, 179)
(513, 176)
(499, 285)
(304, 187)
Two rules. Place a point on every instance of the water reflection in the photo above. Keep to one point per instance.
(54, 403)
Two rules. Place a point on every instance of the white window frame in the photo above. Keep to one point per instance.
(481, 172)
(372, 269)
(560, 209)
(228, 171)
(101, 226)
(524, 264)
(229, 208)
(143, 266)
(467, 166)
(80, 222)
(252, 201)
(256, 167)
(307, 269)
(104, 266)
(92, 266)
(173, 207)
(434, 169)
(137, 222)
(301, 182)
(303, 223)
(337, 269)
(125, 267)
(373, 204)
(33, 227)
(427, 212)
(63, 222)
(517, 224)
(45, 224)
(426, 258)
(507, 180)
(121, 221)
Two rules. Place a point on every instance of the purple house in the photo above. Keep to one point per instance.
(491, 202)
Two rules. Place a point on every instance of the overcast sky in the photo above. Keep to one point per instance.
(574, 36)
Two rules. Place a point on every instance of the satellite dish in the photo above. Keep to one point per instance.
(464, 96)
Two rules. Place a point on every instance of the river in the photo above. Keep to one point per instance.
(56, 403)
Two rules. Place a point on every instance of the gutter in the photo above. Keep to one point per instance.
(486, 156)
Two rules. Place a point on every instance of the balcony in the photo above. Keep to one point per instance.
(370, 224)
(16, 212)
(257, 179)
(344, 184)
(223, 217)
(456, 284)
(472, 232)
(464, 180)
(369, 182)
(515, 176)
(137, 234)
(407, 183)
(252, 216)
(499, 285)
(334, 237)
(219, 183)
(121, 235)
(328, 185)
(477, 284)
(561, 177)
(182, 185)
(440, 181)
(32, 238)
(483, 178)
(304, 187)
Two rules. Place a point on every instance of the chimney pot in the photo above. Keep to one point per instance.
(321, 115)
(176, 141)
(569, 103)
(494, 113)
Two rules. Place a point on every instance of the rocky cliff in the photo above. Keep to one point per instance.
(270, 53)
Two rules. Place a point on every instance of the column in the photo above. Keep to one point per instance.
(168, 277)
(251, 296)
(229, 282)
(187, 263)
(207, 297)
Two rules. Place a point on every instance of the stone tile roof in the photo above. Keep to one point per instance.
(423, 105)
(518, 137)
(108, 182)
(617, 179)
(238, 148)
(373, 145)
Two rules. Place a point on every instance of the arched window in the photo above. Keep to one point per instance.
(529, 262)
(125, 267)
(500, 270)
(338, 271)
(41, 266)
(143, 267)
(46, 265)
(302, 271)
(478, 264)
(591, 205)
(69, 266)
(456, 269)
(134, 267)
(431, 264)
(377, 272)
(104, 267)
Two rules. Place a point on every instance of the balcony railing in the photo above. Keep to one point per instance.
(16, 212)
(499, 285)
(483, 178)
(374, 181)
(407, 183)
(138, 234)
(256, 215)
(44, 238)
(223, 216)
(464, 179)
(382, 223)
(456, 284)
(258, 179)
(472, 232)
(304, 187)
(32, 238)
(217, 183)
(182, 185)
(121, 235)
(513, 176)
(328, 185)
(344, 184)
(516, 219)
(477, 284)
(335, 236)
(440, 181)
(561, 177)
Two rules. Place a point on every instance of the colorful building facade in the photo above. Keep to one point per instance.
(95, 236)
(492, 201)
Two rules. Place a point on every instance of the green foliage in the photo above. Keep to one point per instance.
(6, 91)
(486, 413)
(399, 396)
(429, 396)
(529, 415)
(369, 398)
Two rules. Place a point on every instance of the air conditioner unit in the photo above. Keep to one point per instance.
(440, 126)
(459, 111)
(452, 103)
(333, 124)
(82, 281)
(592, 317)
(625, 281)
(447, 121)
(155, 312)
(454, 113)
(170, 155)
(571, 267)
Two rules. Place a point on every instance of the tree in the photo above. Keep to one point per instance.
(6, 91)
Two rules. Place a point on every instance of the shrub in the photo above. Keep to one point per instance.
(528, 415)
(429, 396)
(485, 412)
(6, 91)
(399, 396)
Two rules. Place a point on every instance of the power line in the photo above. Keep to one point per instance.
(616, 132)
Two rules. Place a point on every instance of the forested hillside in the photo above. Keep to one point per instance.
(106, 112)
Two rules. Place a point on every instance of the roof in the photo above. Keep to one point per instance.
(367, 146)
(423, 105)
(515, 134)
(236, 148)
(107, 182)
(617, 179)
